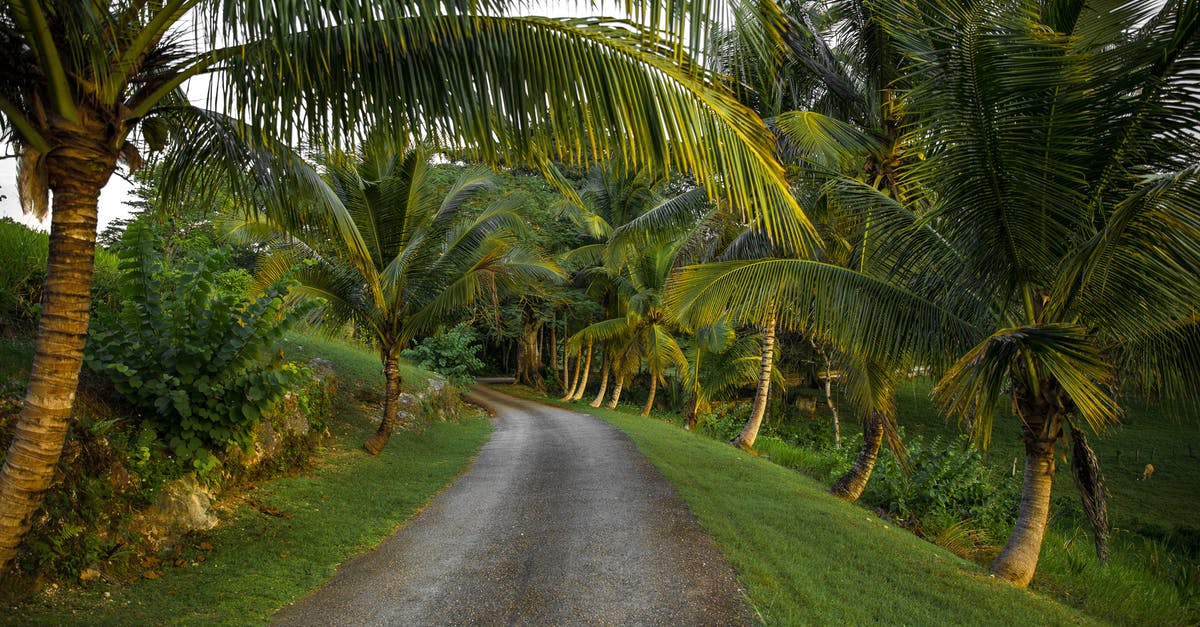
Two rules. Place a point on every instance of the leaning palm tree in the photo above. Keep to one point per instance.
(85, 86)
(388, 253)
(1063, 184)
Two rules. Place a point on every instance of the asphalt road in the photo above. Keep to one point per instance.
(559, 521)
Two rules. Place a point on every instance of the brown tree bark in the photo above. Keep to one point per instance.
(77, 170)
(650, 399)
(1043, 417)
(691, 417)
(573, 377)
(605, 368)
(587, 367)
(618, 383)
(391, 406)
(529, 354)
(850, 486)
(745, 439)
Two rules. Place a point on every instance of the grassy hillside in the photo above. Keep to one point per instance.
(286, 536)
(805, 557)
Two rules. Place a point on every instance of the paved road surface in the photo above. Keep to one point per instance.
(560, 521)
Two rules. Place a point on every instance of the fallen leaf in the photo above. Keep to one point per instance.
(152, 574)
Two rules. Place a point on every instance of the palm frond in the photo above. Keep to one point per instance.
(1059, 352)
(597, 86)
(858, 312)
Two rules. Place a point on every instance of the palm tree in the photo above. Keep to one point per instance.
(386, 252)
(1063, 180)
(89, 85)
(643, 332)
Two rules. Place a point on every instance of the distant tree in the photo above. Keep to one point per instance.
(383, 250)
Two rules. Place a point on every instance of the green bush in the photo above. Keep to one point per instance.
(22, 272)
(199, 362)
(452, 353)
(946, 480)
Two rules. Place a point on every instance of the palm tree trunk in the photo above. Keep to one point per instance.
(558, 377)
(850, 486)
(618, 382)
(391, 406)
(691, 417)
(837, 422)
(605, 367)
(76, 176)
(650, 399)
(587, 367)
(745, 439)
(1044, 416)
(573, 377)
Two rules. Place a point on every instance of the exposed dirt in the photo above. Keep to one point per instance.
(560, 521)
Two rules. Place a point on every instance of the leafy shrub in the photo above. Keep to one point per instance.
(197, 361)
(22, 271)
(947, 481)
(724, 422)
(452, 353)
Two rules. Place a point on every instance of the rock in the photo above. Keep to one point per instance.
(183, 505)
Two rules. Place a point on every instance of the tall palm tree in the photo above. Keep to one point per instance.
(1063, 180)
(88, 85)
(643, 331)
(390, 254)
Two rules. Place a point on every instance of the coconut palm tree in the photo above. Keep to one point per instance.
(1062, 179)
(88, 85)
(388, 253)
(1063, 275)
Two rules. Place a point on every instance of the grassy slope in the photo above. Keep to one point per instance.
(260, 562)
(807, 558)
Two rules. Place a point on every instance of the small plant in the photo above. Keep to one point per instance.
(451, 352)
(196, 360)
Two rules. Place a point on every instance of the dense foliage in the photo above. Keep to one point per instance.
(452, 352)
(197, 361)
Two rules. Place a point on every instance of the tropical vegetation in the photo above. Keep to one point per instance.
(900, 212)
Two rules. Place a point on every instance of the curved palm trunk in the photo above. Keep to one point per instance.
(605, 368)
(1044, 416)
(850, 486)
(391, 407)
(618, 386)
(745, 439)
(575, 378)
(76, 175)
(587, 367)
(650, 399)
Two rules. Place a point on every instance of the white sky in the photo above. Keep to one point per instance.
(118, 192)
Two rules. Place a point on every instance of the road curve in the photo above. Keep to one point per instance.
(559, 521)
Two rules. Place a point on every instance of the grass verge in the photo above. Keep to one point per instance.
(805, 557)
(286, 536)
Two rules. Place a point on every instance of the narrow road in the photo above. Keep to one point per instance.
(559, 521)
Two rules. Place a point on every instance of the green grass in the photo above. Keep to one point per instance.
(805, 557)
(259, 561)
